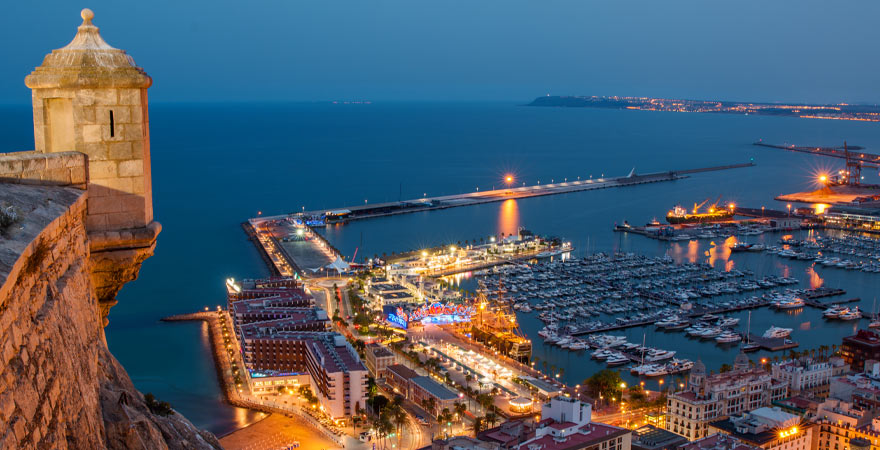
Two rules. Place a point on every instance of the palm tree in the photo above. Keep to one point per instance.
(459, 409)
(491, 417)
(478, 425)
(398, 417)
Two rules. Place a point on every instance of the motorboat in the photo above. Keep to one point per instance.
(852, 314)
(834, 311)
(777, 332)
(617, 359)
(728, 337)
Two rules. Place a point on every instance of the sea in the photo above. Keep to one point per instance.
(216, 165)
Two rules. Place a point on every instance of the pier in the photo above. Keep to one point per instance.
(498, 195)
(772, 344)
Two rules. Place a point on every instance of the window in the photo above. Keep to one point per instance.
(112, 125)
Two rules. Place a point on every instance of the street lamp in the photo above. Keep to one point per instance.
(789, 209)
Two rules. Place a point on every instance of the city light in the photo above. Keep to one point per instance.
(789, 432)
(508, 179)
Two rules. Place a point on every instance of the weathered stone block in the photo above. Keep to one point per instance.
(92, 133)
(109, 187)
(120, 150)
(129, 96)
(104, 205)
(98, 96)
(59, 176)
(131, 168)
(102, 169)
(138, 186)
(84, 114)
(134, 131)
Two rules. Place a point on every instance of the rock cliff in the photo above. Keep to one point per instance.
(60, 387)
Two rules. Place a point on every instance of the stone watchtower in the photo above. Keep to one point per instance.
(92, 98)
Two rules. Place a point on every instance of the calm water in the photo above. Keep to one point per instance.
(216, 165)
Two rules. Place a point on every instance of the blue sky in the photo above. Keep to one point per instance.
(512, 50)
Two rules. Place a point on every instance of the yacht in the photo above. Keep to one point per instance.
(656, 372)
(659, 355)
(852, 314)
(618, 359)
(777, 332)
(834, 311)
(791, 303)
(728, 337)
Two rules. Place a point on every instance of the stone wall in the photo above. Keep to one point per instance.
(59, 169)
(60, 387)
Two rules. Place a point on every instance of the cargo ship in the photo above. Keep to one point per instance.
(713, 214)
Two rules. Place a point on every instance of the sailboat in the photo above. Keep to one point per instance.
(748, 345)
(875, 321)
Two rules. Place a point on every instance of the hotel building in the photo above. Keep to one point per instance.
(284, 344)
(707, 398)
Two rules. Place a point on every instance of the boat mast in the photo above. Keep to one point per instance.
(749, 328)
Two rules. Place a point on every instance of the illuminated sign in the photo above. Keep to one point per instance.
(437, 309)
(434, 313)
(397, 320)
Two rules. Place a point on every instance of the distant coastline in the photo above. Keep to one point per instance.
(864, 113)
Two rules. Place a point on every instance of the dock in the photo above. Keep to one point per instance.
(772, 344)
(425, 203)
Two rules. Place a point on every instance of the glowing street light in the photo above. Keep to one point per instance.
(508, 179)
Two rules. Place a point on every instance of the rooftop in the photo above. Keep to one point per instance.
(586, 436)
(650, 437)
(718, 441)
(864, 337)
(402, 371)
(379, 351)
(434, 388)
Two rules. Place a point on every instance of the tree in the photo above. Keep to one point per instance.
(605, 383)
(725, 368)
(398, 416)
(459, 409)
(378, 403)
(431, 404)
(491, 417)
(478, 425)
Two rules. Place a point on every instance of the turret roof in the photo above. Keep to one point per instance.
(88, 62)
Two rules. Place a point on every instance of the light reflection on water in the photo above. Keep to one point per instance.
(508, 217)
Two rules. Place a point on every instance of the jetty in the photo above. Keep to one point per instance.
(366, 211)
(772, 344)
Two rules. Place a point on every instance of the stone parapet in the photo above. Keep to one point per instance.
(60, 387)
(47, 169)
